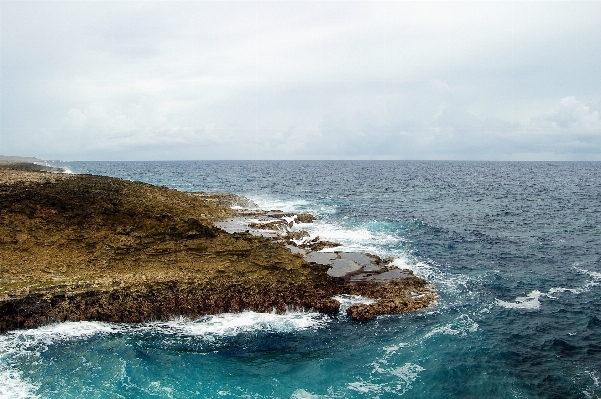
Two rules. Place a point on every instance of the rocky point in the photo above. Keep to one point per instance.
(82, 247)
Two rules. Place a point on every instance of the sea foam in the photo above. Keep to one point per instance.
(528, 302)
(532, 300)
(231, 324)
(31, 343)
(269, 203)
(348, 300)
(12, 386)
(461, 326)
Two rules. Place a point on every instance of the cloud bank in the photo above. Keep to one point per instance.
(300, 80)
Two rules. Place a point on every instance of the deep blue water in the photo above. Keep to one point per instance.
(514, 250)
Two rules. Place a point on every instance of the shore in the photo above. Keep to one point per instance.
(82, 247)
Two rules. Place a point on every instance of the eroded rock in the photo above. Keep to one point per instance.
(80, 247)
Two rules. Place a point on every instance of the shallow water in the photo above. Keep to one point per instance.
(513, 248)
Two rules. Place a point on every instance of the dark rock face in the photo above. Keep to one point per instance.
(98, 248)
(157, 301)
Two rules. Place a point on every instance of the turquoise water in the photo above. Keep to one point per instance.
(514, 250)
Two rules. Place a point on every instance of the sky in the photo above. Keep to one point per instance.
(407, 80)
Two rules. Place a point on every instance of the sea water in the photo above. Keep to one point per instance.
(514, 250)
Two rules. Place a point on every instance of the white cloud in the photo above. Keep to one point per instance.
(571, 115)
(299, 79)
(75, 119)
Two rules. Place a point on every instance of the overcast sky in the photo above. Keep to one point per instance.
(164, 80)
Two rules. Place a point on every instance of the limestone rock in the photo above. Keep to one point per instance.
(81, 247)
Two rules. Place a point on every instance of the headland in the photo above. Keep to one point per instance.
(84, 247)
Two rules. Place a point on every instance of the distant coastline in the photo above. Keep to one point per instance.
(9, 158)
(83, 247)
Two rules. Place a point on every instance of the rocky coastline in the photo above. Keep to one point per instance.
(83, 247)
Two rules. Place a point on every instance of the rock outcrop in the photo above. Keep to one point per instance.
(82, 247)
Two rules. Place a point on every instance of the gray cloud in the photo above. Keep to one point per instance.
(300, 80)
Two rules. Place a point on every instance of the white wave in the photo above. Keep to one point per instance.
(595, 377)
(394, 348)
(559, 290)
(37, 339)
(34, 342)
(353, 239)
(403, 376)
(268, 203)
(225, 324)
(593, 282)
(430, 272)
(420, 269)
(532, 302)
(289, 219)
(528, 302)
(70, 329)
(461, 326)
(596, 380)
(231, 324)
(371, 237)
(12, 386)
(302, 394)
(156, 389)
(348, 300)
(63, 169)
(407, 374)
(365, 387)
(360, 238)
(455, 288)
(595, 275)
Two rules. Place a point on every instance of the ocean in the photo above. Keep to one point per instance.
(514, 250)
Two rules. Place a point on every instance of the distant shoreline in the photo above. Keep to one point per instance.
(9, 158)
(28, 166)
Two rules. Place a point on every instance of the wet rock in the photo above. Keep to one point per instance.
(358, 257)
(232, 225)
(317, 244)
(394, 274)
(343, 268)
(305, 218)
(361, 312)
(321, 258)
(297, 235)
(373, 268)
(277, 225)
(278, 214)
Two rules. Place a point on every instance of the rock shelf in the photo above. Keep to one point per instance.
(277, 225)
(82, 247)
